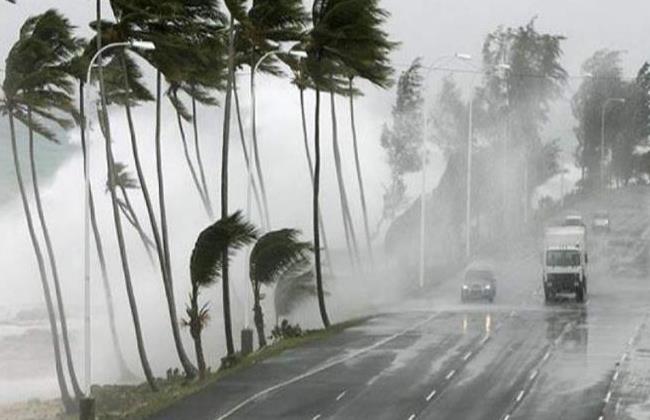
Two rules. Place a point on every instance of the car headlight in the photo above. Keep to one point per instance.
(465, 287)
(488, 287)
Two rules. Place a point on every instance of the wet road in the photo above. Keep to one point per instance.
(515, 359)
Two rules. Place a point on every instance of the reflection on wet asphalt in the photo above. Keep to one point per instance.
(518, 358)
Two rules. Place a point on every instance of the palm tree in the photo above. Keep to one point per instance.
(51, 35)
(276, 255)
(350, 235)
(347, 33)
(302, 82)
(34, 84)
(117, 95)
(206, 267)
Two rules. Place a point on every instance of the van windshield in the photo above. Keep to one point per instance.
(563, 258)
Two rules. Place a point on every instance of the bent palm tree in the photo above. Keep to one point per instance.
(290, 291)
(276, 255)
(33, 83)
(214, 246)
(347, 33)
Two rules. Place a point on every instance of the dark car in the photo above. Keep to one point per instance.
(478, 284)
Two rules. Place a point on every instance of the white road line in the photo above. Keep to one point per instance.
(316, 417)
(467, 356)
(450, 374)
(548, 353)
(433, 394)
(412, 416)
(341, 395)
(486, 338)
(623, 357)
(615, 377)
(608, 396)
(323, 367)
(534, 374)
(507, 417)
(601, 418)
(520, 395)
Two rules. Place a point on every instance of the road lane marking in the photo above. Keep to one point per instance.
(450, 374)
(467, 356)
(546, 356)
(431, 395)
(507, 417)
(534, 375)
(316, 417)
(520, 395)
(608, 396)
(623, 357)
(341, 395)
(485, 339)
(615, 376)
(326, 366)
(412, 416)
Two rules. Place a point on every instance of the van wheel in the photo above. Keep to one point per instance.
(580, 294)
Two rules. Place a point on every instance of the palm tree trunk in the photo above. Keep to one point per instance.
(50, 254)
(350, 235)
(362, 193)
(242, 138)
(225, 286)
(108, 294)
(190, 370)
(315, 218)
(110, 166)
(258, 317)
(68, 403)
(190, 165)
(256, 155)
(195, 330)
(311, 176)
(199, 160)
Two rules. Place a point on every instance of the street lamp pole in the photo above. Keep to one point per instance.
(87, 342)
(602, 137)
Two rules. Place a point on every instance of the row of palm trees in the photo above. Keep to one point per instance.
(199, 48)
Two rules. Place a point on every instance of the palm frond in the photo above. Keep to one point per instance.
(228, 234)
(276, 254)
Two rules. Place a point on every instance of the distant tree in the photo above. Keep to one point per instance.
(606, 82)
(276, 256)
(215, 243)
(518, 98)
(402, 139)
(635, 129)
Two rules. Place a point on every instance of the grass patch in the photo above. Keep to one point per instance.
(139, 402)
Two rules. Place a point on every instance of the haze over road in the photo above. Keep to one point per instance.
(515, 359)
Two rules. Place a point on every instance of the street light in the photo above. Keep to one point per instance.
(425, 135)
(143, 45)
(602, 137)
(278, 48)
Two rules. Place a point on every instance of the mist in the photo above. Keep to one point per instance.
(424, 28)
